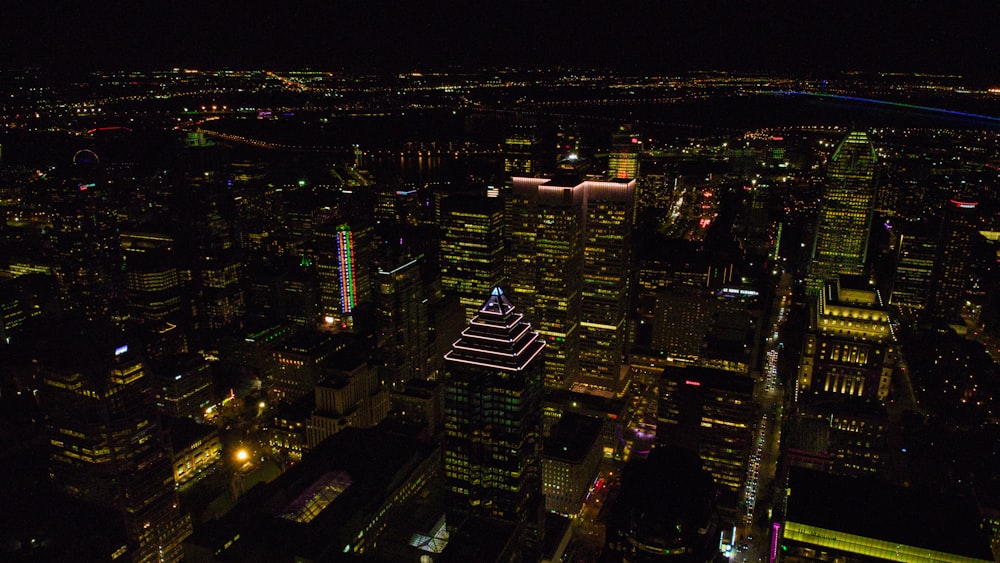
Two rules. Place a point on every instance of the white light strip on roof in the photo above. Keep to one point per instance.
(495, 366)
(456, 346)
(527, 327)
(475, 321)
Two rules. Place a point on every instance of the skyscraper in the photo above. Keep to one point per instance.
(849, 349)
(403, 323)
(841, 243)
(104, 439)
(546, 262)
(83, 241)
(343, 262)
(607, 266)
(521, 149)
(623, 159)
(493, 412)
(569, 263)
(152, 280)
(950, 278)
(917, 251)
(471, 248)
(711, 412)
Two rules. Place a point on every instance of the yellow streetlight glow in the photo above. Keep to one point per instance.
(242, 455)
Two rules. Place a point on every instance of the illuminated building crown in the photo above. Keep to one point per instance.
(497, 337)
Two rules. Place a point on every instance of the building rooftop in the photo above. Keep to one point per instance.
(497, 338)
(906, 516)
(584, 401)
(710, 378)
(572, 437)
(483, 540)
(317, 506)
(185, 431)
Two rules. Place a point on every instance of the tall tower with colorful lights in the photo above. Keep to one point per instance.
(841, 243)
(493, 415)
(343, 261)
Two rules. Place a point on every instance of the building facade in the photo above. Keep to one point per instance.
(104, 441)
(569, 264)
(471, 248)
(343, 264)
(493, 411)
(841, 243)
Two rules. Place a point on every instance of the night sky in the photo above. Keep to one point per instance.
(652, 35)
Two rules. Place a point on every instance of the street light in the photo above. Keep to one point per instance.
(242, 455)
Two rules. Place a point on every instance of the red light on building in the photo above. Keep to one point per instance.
(965, 204)
(694, 383)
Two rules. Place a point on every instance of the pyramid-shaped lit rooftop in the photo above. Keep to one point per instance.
(497, 337)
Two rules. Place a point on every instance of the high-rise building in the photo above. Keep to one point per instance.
(521, 149)
(84, 243)
(573, 449)
(471, 248)
(493, 416)
(343, 262)
(403, 322)
(105, 446)
(13, 312)
(350, 395)
(950, 279)
(917, 252)
(220, 304)
(607, 268)
(711, 412)
(841, 243)
(570, 263)
(623, 159)
(152, 280)
(183, 385)
(296, 365)
(545, 265)
(849, 349)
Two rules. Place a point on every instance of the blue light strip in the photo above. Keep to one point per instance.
(887, 103)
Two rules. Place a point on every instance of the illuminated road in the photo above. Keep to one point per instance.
(759, 489)
(588, 526)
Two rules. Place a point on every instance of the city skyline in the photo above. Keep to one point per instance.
(396, 314)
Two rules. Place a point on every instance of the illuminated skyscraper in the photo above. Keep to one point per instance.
(607, 267)
(711, 412)
(570, 261)
(152, 280)
(105, 446)
(521, 151)
(623, 159)
(545, 264)
(841, 243)
(471, 248)
(849, 349)
(917, 251)
(83, 240)
(343, 262)
(403, 324)
(493, 417)
(951, 277)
